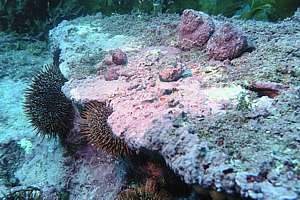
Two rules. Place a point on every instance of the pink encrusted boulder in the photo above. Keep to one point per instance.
(195, 29)
(119, 57)
(226, 43)
(170, 74)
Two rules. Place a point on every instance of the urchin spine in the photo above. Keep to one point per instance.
(95, 128)
(47, 108)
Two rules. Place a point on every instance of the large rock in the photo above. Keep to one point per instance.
(189, 126)
(227, 42)
(205, 126)
(195, 29)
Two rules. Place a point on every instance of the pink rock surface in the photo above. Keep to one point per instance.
(269, 89)
(119, 57)
(170, 74)
(226, 43)
(139, 98)
(195, 29)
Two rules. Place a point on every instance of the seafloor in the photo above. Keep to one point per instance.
(220, 135)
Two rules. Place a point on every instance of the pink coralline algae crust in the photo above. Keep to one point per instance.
(170, 74)
(135, 111)
(139, 98)
(195, 29)
(166, 117)
(226, 43)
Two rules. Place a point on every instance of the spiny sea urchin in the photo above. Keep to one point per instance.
(140, 193)
(47, 108)
(98, 133)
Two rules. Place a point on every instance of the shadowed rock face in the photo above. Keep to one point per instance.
(195, 29)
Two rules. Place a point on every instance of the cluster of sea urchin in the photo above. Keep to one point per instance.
(47, 108)
(95, 128)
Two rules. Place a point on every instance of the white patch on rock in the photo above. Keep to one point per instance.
(80, 39)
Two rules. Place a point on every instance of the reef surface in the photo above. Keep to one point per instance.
(229, 126)
(32, 163)
(232, 125)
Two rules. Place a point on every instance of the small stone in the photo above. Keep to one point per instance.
(269, 89)
(226, 43)
(195, 29)
(119, 57)
(111, 74)
(170, 74)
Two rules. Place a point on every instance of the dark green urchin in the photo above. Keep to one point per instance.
(48, 109)
(95, 128)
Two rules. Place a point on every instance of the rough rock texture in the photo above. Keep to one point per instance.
(119, 57)
(226, 43)
(112, 73)
(267, 88)
(195, 29)
(94, 175)
(80, 58)
(171, 74)
(29, 160)
(210, 130)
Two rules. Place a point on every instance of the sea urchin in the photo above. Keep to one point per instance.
(47, 108)
(140, 193)
(95, 128)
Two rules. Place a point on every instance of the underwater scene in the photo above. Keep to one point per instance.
(150, 99)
